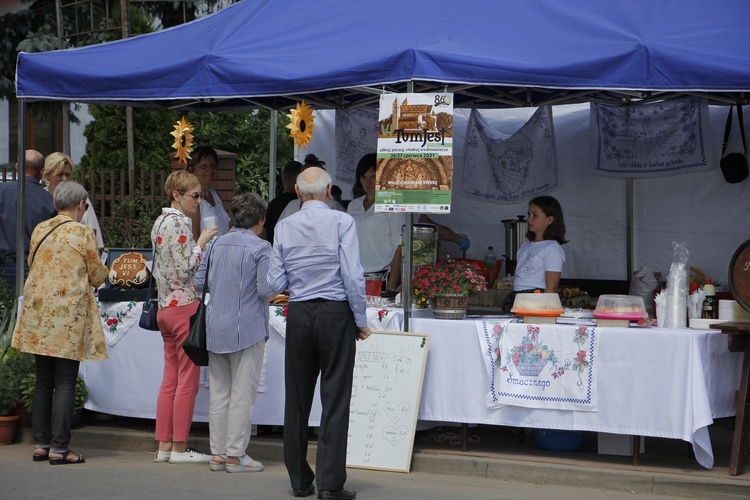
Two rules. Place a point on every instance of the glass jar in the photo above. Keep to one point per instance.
(424, 245)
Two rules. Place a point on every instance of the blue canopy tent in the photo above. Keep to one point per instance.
(344, 54)
(341, 54)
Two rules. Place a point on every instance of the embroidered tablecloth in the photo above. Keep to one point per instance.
(540, 366)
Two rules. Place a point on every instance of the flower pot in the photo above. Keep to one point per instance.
(8, 426)
(24, 417)
(450, 306)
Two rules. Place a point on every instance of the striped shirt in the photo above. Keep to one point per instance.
(237, 313)
(316, 256)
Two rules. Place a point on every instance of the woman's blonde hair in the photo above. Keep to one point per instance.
(54, 163)
(181, 181)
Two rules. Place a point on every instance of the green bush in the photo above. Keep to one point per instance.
(26, 387)
(130, 224)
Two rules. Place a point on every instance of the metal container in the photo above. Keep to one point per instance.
(515, 236)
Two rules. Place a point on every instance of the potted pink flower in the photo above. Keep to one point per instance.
(447, 285)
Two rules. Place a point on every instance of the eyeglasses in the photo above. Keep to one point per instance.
(194, 196)
(85, 206)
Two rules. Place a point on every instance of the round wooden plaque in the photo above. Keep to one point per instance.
(739, 275)
(129, 271)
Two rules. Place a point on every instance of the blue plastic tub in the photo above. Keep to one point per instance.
(560, 440)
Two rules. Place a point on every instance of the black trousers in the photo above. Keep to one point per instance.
(320, 339)
(54, 399)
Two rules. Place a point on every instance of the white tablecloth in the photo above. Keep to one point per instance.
(127, 383)
(652, 382)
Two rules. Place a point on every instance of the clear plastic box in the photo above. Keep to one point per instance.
(628, 307)
(537, 304)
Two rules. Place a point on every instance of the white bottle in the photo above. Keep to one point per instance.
(709, 303)
(490, 259)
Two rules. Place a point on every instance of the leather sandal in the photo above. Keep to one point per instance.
(40, 457)
(64, 459)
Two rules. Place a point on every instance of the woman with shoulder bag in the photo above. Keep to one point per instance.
(59, 320)
(176, 260)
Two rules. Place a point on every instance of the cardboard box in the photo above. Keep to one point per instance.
(618, 444)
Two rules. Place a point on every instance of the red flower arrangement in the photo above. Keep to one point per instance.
(450, 277)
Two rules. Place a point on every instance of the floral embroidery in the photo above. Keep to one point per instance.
(182, 239)
(580, 363)
(115, 320)
(531, 356)
(173, 303)
(281, 311)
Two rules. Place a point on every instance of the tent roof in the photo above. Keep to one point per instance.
(334, 53)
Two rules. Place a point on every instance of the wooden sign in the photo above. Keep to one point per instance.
(386, 391)
(739, 275)
(129, 270)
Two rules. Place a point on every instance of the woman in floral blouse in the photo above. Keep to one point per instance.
(176, 260)
(59, 321)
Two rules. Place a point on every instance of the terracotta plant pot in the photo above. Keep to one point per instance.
(24, 417)
(8, 426)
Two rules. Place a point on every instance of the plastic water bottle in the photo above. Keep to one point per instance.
(490, 260)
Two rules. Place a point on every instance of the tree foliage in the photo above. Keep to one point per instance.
(246, 133)
(34, 27)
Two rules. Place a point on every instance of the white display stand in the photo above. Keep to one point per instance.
(388, 373)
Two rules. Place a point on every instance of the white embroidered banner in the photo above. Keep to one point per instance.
(356, 135)
(541, 366)
(510, 168)
(652, 140)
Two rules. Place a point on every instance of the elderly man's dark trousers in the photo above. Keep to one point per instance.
(320, 338)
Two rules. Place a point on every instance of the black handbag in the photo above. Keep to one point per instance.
(150, 308)
(151, 304)
(734, 165)
(195, 343)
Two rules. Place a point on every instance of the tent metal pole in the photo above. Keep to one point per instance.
(21, 203)
(273, 146)
(629, 217)
(65, 109)
(407, 246)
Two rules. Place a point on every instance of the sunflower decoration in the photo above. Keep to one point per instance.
(301, 124)
(183, 140)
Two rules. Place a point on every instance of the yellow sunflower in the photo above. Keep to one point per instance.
(301, 124)
(183, 140)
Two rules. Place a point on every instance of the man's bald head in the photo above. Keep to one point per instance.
(34, 164)
(314, 183)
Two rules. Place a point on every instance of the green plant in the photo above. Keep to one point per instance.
(27, 384)
(8, 391)
(7, 318)
(130, 224)
(20, 364)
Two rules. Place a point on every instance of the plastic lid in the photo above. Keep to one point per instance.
(708, 281)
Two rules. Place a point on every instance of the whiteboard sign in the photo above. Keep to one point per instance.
(386, 390)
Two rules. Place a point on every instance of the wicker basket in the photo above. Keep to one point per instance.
(531, 369)
(450, 306)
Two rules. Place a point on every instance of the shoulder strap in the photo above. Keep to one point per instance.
(208, 266)
(742, 127)
(33, 254)
(728, 129)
